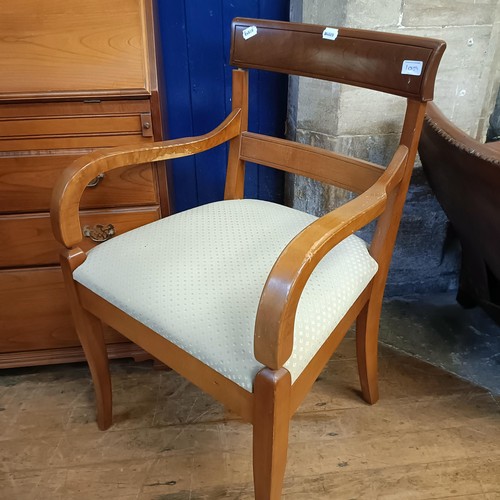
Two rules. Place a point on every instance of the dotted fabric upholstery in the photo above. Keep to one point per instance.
(196, 279)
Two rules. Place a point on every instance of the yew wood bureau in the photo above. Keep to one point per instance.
(75, 76)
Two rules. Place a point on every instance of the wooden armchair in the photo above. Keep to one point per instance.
(245, 298)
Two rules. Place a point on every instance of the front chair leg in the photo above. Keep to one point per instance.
(270, 431)
(367, 326)
(90, 334)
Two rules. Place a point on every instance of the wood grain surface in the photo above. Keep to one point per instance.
(27, 182)
(431, 436)
(28, 238)
(68, 46)
(35, 312)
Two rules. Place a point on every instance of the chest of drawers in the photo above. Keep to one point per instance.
(75, 76)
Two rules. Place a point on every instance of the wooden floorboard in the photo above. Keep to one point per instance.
(431, 436)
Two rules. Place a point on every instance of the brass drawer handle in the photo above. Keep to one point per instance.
(95, 181)
(99, 232)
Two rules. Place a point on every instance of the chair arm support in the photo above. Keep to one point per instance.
(274, 324)
(70, 186)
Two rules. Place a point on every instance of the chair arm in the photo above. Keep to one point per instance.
(274, 324)
(69, 188)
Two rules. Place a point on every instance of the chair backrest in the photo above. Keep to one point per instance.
(392, 63)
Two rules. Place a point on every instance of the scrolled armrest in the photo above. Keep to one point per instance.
(274, 324)
(70, 186)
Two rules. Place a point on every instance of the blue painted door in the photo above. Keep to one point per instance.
(195, 37)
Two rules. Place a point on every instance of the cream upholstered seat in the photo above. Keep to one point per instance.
(247, 299)
(200, 287)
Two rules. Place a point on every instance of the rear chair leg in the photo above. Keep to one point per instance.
(367, 326)
(270, 432)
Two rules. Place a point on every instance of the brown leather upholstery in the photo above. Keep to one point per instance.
(465, 175)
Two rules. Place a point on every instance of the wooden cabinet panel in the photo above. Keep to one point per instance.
(57, 47)
(27, 181)
(70, 125)
(73, 132)
(79, 142)
(80, 107)
(28, 240)
(42, 126)
(35, 313)
(76, 76)
(51, 143)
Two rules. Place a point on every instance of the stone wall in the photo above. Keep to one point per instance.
(352, 121)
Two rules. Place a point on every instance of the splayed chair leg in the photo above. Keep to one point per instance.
(90, 334)
(92, 339)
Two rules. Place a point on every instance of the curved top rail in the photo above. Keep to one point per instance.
(388, 62)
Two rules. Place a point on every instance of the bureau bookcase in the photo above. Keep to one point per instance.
(76, 76)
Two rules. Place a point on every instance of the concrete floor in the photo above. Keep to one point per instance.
(436, 329)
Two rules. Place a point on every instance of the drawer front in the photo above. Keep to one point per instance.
(74, 108)
(26, 183)
(27, 240)
(35, 313)
(78, 125)
(99, 140)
